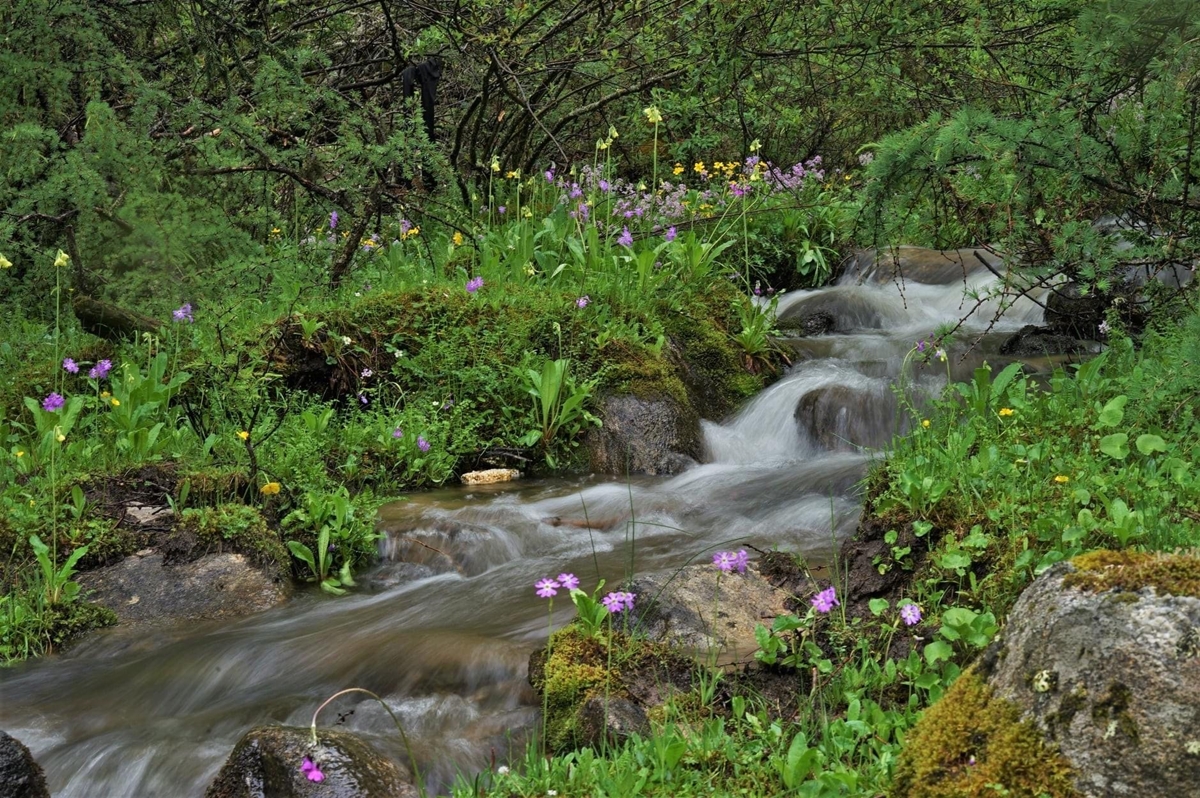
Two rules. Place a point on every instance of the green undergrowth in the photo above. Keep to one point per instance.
(1009, 476)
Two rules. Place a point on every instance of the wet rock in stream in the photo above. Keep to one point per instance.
(841, 418)
(644, 436)
(20, 775)
(267, 761)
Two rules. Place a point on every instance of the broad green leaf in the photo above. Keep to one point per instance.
(1113, 412)
(1148, 444)
(1115, 445)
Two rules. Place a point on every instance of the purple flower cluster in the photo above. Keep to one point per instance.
(618, 601)
(397, 433)
(100, 370)
(474, 284)
(727, 561)
(53, 403)
(183, 313)
(70, 366)
(826, 600)
(582, 302)
(422, 444)
(333, 220)
(910, 614)
(626, 237)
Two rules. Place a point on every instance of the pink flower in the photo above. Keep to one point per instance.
(670, 236)
(616, 602)
(826, 600)
(582, 302)
(312, 770)
(911, 614)
(70, 365)
(474, 284)
(626, 237)
(547, 588)
(422, 444)
(568, 581)
(53, 402)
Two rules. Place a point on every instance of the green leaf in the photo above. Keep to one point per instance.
(937, 651)
(1115, 445)
(1113, 412)
(1148, 444)
(877, 605)
(955, 559)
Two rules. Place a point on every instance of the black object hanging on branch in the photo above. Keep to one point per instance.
(426, 75)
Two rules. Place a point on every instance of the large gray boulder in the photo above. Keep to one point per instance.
(20, 776)
(644, 436)
(1107, 664)
(267, 763)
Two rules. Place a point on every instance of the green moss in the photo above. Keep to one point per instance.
(230, 527)
(1111, 712)
(68, 622)
(1129, 571)
(969, 742)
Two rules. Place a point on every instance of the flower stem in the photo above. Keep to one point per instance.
(404, 737)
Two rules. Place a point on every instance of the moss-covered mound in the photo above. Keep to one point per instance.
(582, 669)
(1130, 571)
(228, 528)
(971, 744)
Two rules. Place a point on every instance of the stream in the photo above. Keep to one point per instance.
(155, 712)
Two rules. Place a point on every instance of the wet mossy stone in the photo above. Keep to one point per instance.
(1100, 655)
(972, 744)
(267, 761)
(20, 775)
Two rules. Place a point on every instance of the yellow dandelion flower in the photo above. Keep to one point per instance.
(678, 170)
(1006, 412)
(1062, 479)
(270, 489)
(5, 263)
(243, 435)
(925, 423)
(116, 402)
(62, 260)
(457, 238)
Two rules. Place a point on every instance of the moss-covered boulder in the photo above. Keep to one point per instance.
(644, 436)
(268, 762)
(601, 686)
(972, 744)
(1097, 669)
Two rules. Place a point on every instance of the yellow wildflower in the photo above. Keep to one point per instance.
(698, 167)
(495, 163)
(755, 145)
(529, 270)
(116, 402)
(515, 174)
(653, 116)
(275, 231)
(62, 260)
(5, 263)
(1062, 479)
(925, 423)
(718, 165)
(612, 133)
(243, 435)
(1006, 411)
(457, 238)
(270, 489)
(60, 437)
(678, 170)
(105, 394)
(20, 454)
(847, 177)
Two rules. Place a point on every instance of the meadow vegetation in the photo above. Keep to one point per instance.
(239, 278)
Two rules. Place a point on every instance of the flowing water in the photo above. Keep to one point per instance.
(445, 632)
